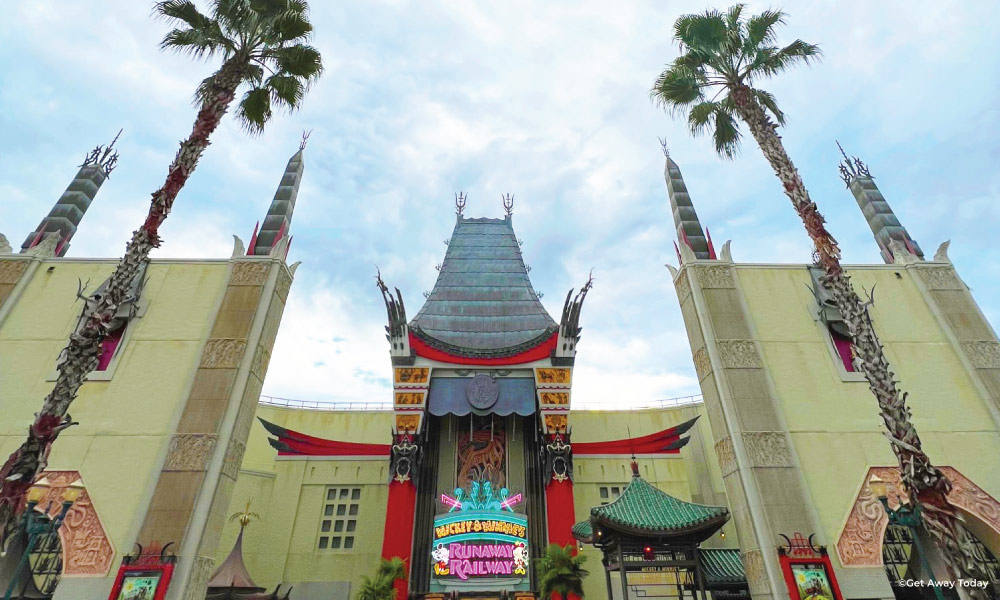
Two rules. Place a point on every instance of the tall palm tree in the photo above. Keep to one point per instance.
(381, 587)
(562, 572)
(262, 44)
(714, 81)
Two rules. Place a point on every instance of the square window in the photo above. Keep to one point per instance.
(338, 526)
(331, 494)
(326, 526)
(324, 542)
(335, 542)
(354, 510)
(343, 493)
(356, 494)
(341, 510)
(328, 511)
(604, 492)
(615, 492)
(351, 525)
(348, 542)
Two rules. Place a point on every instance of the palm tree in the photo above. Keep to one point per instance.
(262, 44)
(560, 571)
(381, 587)
(727, 55)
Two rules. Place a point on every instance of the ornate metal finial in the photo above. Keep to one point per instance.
(305, 139)
(460, 199)
(245, 516)
(508, 203)
(394, 308)
(103, 157)
(663, 145)
(852, 167)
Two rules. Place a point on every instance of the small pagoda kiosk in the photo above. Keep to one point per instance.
(649, 532)
(232, 581)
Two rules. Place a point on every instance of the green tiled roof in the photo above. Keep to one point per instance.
(583, 531)
(482, 303)
(722, 566)
(644, 509)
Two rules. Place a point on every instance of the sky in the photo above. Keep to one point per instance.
(548, 101)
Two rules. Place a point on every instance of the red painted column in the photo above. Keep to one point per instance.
(398, 537)
(560, 516)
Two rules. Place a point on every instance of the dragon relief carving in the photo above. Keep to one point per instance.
(558, 455)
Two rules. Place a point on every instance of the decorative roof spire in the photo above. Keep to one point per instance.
(508, 204)
(279, 215)
(689, 230)
(65, 216)
(232, 574)
(890, 235)
(460, 199)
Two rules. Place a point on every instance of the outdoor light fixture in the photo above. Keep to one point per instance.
(722, 534)
(34, 523)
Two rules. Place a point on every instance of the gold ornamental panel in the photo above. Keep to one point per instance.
(554, 398)
(411, 375)
(410, 398)
(553, 376)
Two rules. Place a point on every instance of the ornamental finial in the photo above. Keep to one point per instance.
(103, 157)
(508, 203)
(852, 167)
(245, 516)
(305, 139)
(663, 145)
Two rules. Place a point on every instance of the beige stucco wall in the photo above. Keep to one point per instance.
(126, 420)
(834, 424)
(288, 494)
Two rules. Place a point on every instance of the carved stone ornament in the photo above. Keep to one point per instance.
(190, 451)
(283, 284)
(702, 363)
(554, 377)
(724, 452)
(860, 542)
(554, 398)
(403, 460)
(201, 572)
(940, 278)
(86, 548)
(983, 355)
(223, 353)
(767, 448)
(249, 273)
(233, 459)
(559, 458)
(482, 391)
(683, 287)
(409, 398)
(407, 423)
(261, 358)
(753, 565)
(11, 270)
(411, 375)
(715, 277)
(739, 354)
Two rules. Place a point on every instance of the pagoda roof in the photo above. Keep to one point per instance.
(722, 566)
(643, 510)
(232, 574)
(483, 304)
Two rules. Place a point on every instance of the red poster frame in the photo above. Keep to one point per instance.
(166, 570)
(793, 588)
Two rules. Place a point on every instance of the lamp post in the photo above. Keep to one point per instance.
(908, 516)
(35, 525)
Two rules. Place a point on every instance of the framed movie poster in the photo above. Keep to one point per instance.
(810, 578)
(142, 582)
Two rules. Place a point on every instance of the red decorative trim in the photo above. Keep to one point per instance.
(166, 570)
(539, 352)
(253, 240)
(398, 537)
(559, 513)
(668, 441)
(787, 561)
(293, 443)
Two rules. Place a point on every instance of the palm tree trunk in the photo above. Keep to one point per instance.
(926, 485)
(81, 354)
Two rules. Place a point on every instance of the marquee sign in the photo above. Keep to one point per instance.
(480, 538)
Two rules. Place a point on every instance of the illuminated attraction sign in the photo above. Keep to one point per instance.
(480, 538)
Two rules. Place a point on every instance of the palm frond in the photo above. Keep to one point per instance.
(761, 28)
(769, 60)
(677, 87)
(254, 110)
(726, 134)
(767, 100)
(300, 60)
(705, 31)
(197, 43)
(291, 26)
(183, 11)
